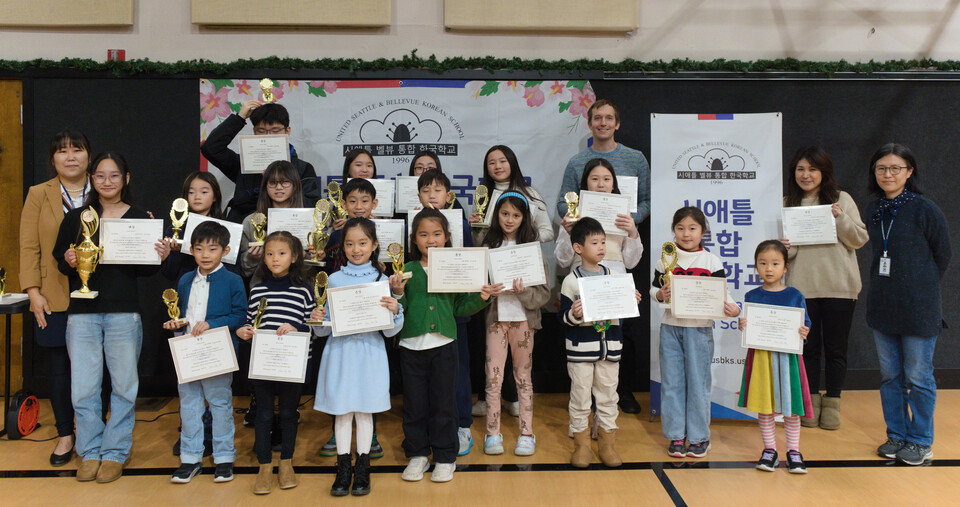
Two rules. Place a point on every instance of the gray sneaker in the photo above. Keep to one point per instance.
(890, 449)
(479, 409)
(914, 454)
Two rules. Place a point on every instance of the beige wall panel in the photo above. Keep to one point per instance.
(551, 15)
(291, 12)
(66, 13)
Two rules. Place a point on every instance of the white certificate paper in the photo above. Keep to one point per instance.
(296, 221)
(809, 225)
(454, 220)
(356, 308)
(385, 196)
(628, 186)
(604, 208)
(697, 297)
(130, 240)
(517, 261)
(204, 356)
(774, 328)
(279, 358)
(408, 195)
(608, 297)
(389, 231)
(257, 152)
(456, 269)
(235, 229)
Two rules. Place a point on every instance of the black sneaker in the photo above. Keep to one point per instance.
(329, 448)
(223, 473)
(677, 449)
(768, 460)
(250, 418)
(698, 450)
(795, 463)
(890, 448)
(914, 454)
(375, 450)
(185, 473)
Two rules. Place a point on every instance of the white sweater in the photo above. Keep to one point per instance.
(700, 262)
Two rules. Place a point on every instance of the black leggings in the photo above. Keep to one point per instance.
(288, 394)
(58, 375)
(829, 332)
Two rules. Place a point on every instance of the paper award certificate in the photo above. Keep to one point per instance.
(356, 308)
(257, 152)
(629, 186)
(235, 229)
(296, 221)
(408, 196)
(488, 216)
(130, 240)
(204, 356)
(809, 225)
(517, 261)
(604, 208)
(608, 297)
(697, 297)
(774, 328)
(456, 269)
(389, 231)
(454, 220)
(385, 196)
(279, 358)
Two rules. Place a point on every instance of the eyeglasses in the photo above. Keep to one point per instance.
(100, 178)
(279, 184)
(893, 170)
(276, 130)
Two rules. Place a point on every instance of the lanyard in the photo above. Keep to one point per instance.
(886, 233)
(68, 201)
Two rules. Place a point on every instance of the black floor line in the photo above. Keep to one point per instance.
(668, 485)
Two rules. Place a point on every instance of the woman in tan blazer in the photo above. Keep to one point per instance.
(48, 289)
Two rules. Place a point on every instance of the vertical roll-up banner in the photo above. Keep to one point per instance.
(729, 166)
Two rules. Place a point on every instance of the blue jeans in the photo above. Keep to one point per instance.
(218, 393)
(91, 338)
(685, 382)
(906, 380)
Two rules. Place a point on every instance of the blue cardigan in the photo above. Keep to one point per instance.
(227, 301)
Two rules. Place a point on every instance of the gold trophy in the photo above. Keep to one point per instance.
(395, 251)
(178, 216)
(451, 198)
(261, 308)
(171, 298)
(266, 86)
(669, 251)
(481, 198)
(573, 200)
(318, 238)
(335, 195)
(88, 253)
(259, 223)
(320, 292)
(3, 282)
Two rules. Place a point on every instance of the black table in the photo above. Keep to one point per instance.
(8, 310)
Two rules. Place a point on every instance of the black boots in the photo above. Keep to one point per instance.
(341, 485)
(361, 476)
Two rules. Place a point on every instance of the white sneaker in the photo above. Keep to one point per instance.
(526, 446)
(443, 472)
(415, 469)
(466, 441)
(513, 408)
(479, 409)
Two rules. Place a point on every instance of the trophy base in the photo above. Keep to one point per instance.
(318, 323)
(180, 323)
(84, 295)
(3, 295)
(314, 263)
(479, 225)
(665, 306)
(569, 219)
(406, 276)
(255, 243)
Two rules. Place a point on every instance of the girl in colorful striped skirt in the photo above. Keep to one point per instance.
(776, 382)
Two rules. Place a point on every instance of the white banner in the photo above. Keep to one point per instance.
(729, 166)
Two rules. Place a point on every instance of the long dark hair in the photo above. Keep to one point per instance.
(351, 156)
(369, 230)
(65, 139)
(697, 215)
(126, 194)
(425, 153)
(216, 210)
(900, 150)
(817, 158)
(426, 214)
(297, 273)
(280, 171)
(517, 183)
(593, 164)
(526, 233)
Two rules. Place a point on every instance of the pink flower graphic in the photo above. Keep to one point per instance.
(244, 87)
(556, 90)
(328, 86)
(214, 105)
(516, 86)
(534, 96)
(581, 102)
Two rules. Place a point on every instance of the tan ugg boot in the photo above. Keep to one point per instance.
(288, 479)
(608, 455)
(830, 414)
(264, 480)
(812, 422)
(582, 452)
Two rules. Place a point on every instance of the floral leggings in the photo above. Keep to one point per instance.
(519, 337)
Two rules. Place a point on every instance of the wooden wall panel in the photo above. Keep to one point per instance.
(546, 15)
(11, 195)
(360, 13)
(56, 13)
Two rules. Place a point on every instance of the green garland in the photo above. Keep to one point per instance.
(490, 64)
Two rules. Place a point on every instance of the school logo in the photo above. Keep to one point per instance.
(716, 161)
(402, 131)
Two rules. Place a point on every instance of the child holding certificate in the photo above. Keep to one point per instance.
(359, 200)
(209, 297)
(279, 188)
(428, 354)
(339, 392)
(686, 345)
(358, 163)
(776, 382)
(289, 304)
(511, 322)
(501, 172)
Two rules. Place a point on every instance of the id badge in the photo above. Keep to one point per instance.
(884, 266)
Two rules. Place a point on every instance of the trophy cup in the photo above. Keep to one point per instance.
(259, 223)
(572, 199)
(335, 195)
(395, 251)
(261, 308)
(669, 251)
(178, 216)
(481, 198)
(170, 298)
(318, 238)
(319, 291)
(88, 254)
(451, 198)
(266, 86)
(3, 282)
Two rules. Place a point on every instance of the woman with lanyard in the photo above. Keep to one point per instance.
(911, 250)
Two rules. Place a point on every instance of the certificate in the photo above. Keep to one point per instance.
(356, 308)
(628, 186)
(385, 196)
(279, 358)
(257, 152)
(774, 328)
(408, 195)
(130, 240)
(204, 356)
(454, 220)
(235, 229)
(604, 208)
(697, 297)
(809, 225)
(389, 231)
(296, 221)
(608, 297)
(488, 213)
(456, 269)
(508, 263)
